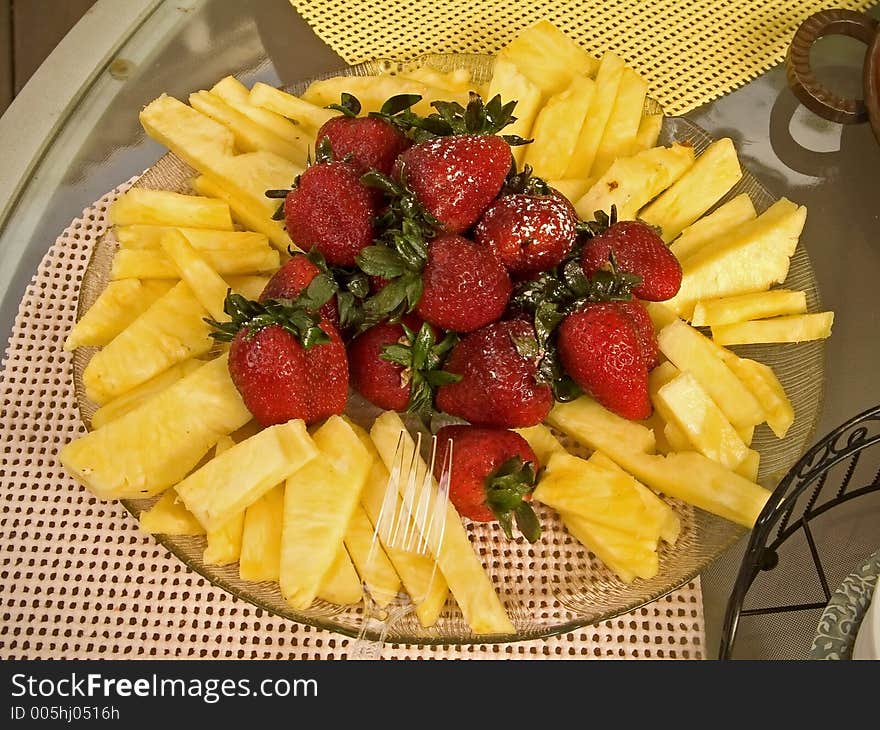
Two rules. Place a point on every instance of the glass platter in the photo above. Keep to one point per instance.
(555, 585)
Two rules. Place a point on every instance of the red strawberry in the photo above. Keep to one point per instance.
(455, 178)
(464, 285)
(645, 331)
(637, 250)
(373, 143)
(600, 350)
(331, 211)
(493, 475)
(292, 278)
(498, 385)
(529, 233)
(385, 384)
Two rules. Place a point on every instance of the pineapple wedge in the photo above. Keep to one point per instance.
(542, 441)
(670, 524)
(688, 476)
(619, 136)
(139, 395)
(371, 562)
(585, 414)
(468, 581)
(253, 217)
(120, 304)
(232, 481)
(150, 237)
(131, 263)
(715, 172)
(695, 413)
(687, 349)
(648, 133)
(303, 113)
(260, 557)
(341, 585)
(170, 331)
(660, 314)
(765, 386)
(796, 328)
(168, 516)
(571, 188)
(250, 287)
(224, 542)
(676, 438)
(632, 181)
(237, 95)
(628, 557)
(249, 135)
(574, 486)
(673, 438)
(512, 85)
(418, 573)
(548, 57)
(164, 208)
(556, 128)
(707, 229)
(749, 466)
(752, 257)
(374, 91)
(204, 281)
(744, 307)
(457, 80)
(154, 446)
(209, 147)
(319, 501)
(608, 77)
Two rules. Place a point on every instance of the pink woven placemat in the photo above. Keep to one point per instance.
(79, 580)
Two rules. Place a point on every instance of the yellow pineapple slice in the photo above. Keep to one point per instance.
(608, 77)
(632, 181)
(164, 208)
(319, 501)
(648, 133)
(209, 147)
(260, 557)
(715, 172)
(169, 516)
(695, 413)
(542, 441)
(468, 581)
(224, 542)
(548, 57)
(207, 285)
(341, 584)
(660, 314)
(292, 107)
(710, 227)
(688, 475)
(752, 257)
(628, 556)
(744, 307)
(249, 135)
(116, 308)
(671, 436)
(251, 216)
(574, 486)
(425, 585)
(571, 188)
(370, 561)
(586, 414)
(232, 481)
(373, 91)
(670, 524)
(749, 466)
(619, 136)
(765, 386)
(687, 349)
(141, 236)
(556, 128)
(148, 264)
(676, 438)
(139, 395)
(237, 95)
(170, 331)
(250, 287)
(154, 446)
(511, 84)
(457, 80)
(795, 328)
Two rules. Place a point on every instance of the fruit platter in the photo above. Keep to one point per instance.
(611, 320)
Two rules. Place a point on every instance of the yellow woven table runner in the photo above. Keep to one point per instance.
(690, 51)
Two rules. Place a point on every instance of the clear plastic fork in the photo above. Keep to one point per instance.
(412, 520)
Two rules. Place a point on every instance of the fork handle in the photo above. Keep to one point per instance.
(366, 648)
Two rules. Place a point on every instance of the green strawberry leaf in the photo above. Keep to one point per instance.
(506, 490)
(527, 522)
(381, 261)
(441, 377)
(399, 103)
(348, 105)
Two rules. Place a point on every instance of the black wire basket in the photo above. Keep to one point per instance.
(818, 523)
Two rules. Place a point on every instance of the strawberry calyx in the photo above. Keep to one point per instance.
(421, 356)
(299, 317)
(525, 182)
(506, 490)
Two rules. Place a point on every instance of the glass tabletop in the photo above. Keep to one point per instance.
(181, 46)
